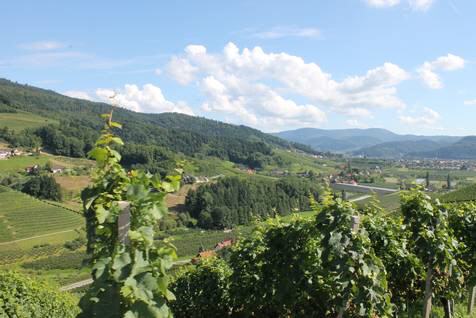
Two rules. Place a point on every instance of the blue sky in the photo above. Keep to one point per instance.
(405, 65)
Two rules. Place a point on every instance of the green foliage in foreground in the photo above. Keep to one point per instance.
(23, 297)
(130, 280)
(324, 268)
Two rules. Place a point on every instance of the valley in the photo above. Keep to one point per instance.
(234, 179)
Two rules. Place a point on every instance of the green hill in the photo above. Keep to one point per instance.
(22, 216)
(464, 194)
(164, 135)
(463, 149)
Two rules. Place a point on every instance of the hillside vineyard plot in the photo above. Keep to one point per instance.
(22, 216)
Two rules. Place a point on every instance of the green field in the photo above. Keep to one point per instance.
(19, 121)
(21, 162)
(22, 216)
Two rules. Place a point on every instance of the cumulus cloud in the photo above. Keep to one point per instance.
(285, 32)
(427, 71)
(383, 3)
(78, 94)
(43, 45)
(428, 117)
(259, 86)
(149, 99)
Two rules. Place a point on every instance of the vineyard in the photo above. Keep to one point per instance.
(464, 194)
(22, 216)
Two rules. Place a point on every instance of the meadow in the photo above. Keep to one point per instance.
(19, 121)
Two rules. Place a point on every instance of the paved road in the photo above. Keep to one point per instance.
(89, 281)
(360, 198)
(361, 188)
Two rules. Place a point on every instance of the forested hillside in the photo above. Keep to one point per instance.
(167, 133)
(397, 149)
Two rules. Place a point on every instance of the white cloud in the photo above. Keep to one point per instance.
(449, 62)
(258, 86)
(42, 45)
(149, 99)
(470, 102)
(285, 32)
(357, 112)
(427, 118)
(181, 70)
(355, 123)
(416, 5)
(78, 94)
(427, 71)
(420, 5)
(383, 3)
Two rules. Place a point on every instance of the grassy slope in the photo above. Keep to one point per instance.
(22, 216)
(21, 120)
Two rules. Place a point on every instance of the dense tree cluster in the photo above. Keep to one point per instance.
(232, 201)
(44, 187)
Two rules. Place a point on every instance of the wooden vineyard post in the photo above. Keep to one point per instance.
(124, 222)
(355, 223)
(428, 294)
(472, 299)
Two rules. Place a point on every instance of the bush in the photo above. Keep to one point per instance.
(75, 244)
(21, 296)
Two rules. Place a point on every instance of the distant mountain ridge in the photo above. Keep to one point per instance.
(382, 143)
